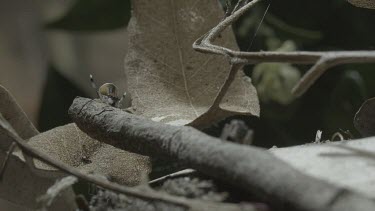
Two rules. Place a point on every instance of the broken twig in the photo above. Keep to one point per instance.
(146, 194)
(322, 60)
(251, 169)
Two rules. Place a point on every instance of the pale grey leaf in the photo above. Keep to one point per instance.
(168, 80)
(369, 4)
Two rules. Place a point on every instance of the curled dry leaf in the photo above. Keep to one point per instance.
(17, 118)
(73, 147)
(68, 144)
(168, 80)
(348, 164)
(369, 4)
(364, 120)
(18, 179)
(13, 113)
(21, 185)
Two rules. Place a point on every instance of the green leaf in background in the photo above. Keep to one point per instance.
(274, 81)
(94, 15)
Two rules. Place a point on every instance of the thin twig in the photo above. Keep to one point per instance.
(205, 45)
(228, 9)
(184, 172)
(239, 4)
(324, 63)
(224, 88)
(214, 110)
(313, 74)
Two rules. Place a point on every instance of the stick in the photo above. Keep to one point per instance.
(143, 193)
(251, 169)
(205, 45)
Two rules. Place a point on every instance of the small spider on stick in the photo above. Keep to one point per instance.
(108, 93)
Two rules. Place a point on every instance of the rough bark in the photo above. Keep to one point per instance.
(252, 169)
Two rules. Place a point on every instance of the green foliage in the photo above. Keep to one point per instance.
(94, 15)
(332, 101)
(274, 82)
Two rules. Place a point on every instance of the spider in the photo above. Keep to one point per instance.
(107, 93)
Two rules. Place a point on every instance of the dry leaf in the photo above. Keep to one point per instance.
(13, 113)
(67, 144)
(18, 179)
(349, 164)
(73, 147)
(369, 4)
(364, 120)
(20, 185)
(168, 80)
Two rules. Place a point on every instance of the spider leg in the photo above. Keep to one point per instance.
(93, 85)
(119, 103)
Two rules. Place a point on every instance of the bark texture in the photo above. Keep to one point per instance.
(252, 169)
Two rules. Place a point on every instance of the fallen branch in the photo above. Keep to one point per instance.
(142, 192)
(329, 59)
(251, 169)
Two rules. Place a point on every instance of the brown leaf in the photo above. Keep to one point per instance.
(168, 80)
(73, 147)
(369, 4)
(21, 185)
(347, 164)
(67, 144)
(364, 120)
(19, 179)
(13, 113)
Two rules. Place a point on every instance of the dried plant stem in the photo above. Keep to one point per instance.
(327, 61)
(322, 60)
(205, 119)
(181, 173)
(223, 90)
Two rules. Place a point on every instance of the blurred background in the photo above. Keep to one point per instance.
(49, 48)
